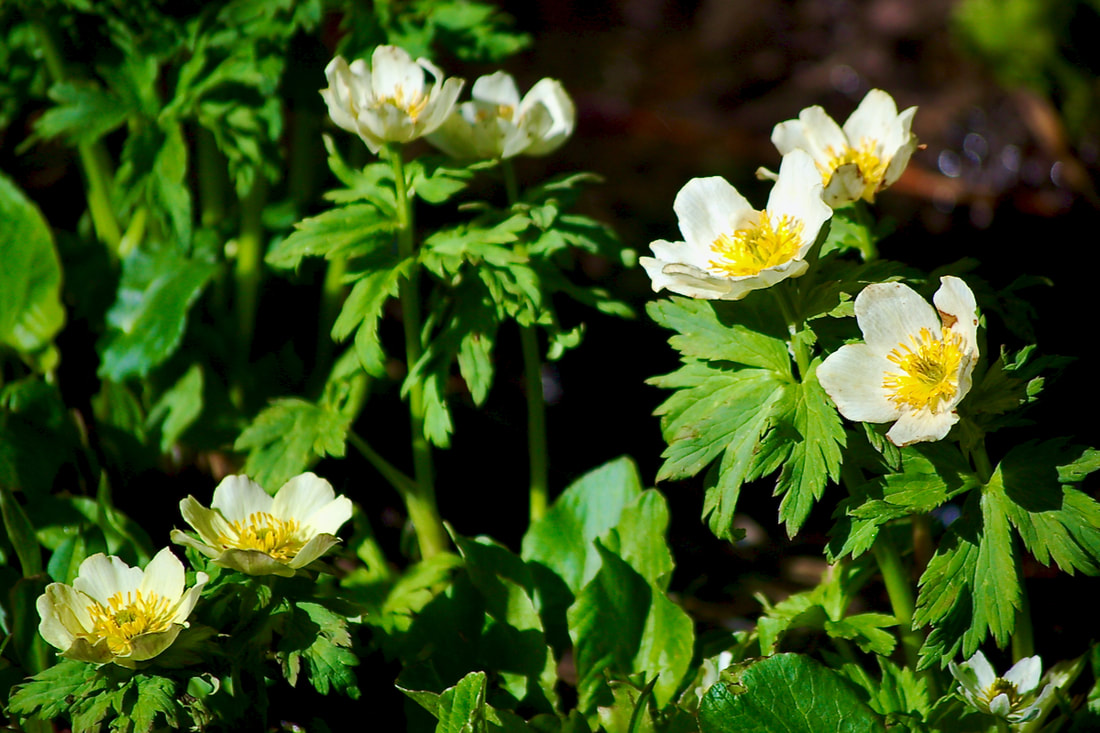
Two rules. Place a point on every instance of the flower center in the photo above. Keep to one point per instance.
(261, 531)
(128, 616)
(757, 247)
(1002, 686)
(872, 169)
(412, 107)
(929, 371)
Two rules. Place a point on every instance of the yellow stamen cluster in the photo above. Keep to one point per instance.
(929, 371)
(872, 169)
(278, 538)
(757, 247)
(1002, 686)
(128, 616)
(413, 107)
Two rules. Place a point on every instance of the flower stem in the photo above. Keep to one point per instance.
(248, 272)
(868, 248)
(421, 501)
(1023, 639)
(537, 452)
(898, 589)
(795, 345)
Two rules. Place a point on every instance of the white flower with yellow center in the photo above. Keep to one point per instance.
(115, 613)
(1013, 697)
(498, 124)
(729, 248)
(914, 367)
(248, 530)
(390, 102)
(864, 157)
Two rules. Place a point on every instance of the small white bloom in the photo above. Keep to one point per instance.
(864, 157)
(914, 367)
(729, 248)
(248, 530)
(498, 124)
(390, 102)
(1012, 697)
(115, 613)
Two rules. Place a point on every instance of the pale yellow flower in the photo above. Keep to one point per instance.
(498, 124)
(248, 530)
(1015, 697)
(115, 613)
(915, 365)
(857, 161)
(729, 248)
(390, 101)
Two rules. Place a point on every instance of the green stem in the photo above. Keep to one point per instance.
(421, 502)
(213, 178)
(900, 592)
(1023, 639)
(332, 297)
(868, 248)
(537, 451)
(94, 160)
(248, 272)
(795, 345)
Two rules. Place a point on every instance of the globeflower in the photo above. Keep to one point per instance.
(914, 367)
(1012, 697)
(864, 157)
(248, 530)
(115, 613)
(389, 102)
(729, 248)
(498, 124)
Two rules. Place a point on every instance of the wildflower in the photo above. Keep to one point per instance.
(864, 157)
(498, 124)
(247, 530)
(388, 102)
(914, 366)
(729, 248)
(115, 613)
(1012, 697)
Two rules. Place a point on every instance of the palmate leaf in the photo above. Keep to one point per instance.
(362, 309)
(319, 637)
(289, 435)
(345, 231)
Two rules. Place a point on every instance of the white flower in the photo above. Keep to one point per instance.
(389, 102)
(115, 613)
(864, 157)
(498, 124)
(914, 367)
(729, 248)
(1011, 697)
(248, 530)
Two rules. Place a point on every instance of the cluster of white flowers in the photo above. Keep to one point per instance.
(116, 613)
(915, 365)
(392, 102)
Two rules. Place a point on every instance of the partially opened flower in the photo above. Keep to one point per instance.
(498, 124)
(115, 613)
(915, 365)
(864, 157)
(729, 248)
(248, 530)
(1013, 697)
(390, 101)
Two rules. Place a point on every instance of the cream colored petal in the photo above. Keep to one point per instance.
(84, 651)
(236, 497)
(329, 518)
(684, 279)
(101, 576)
(1025, 674)
(301, 496)
(147, 646)
(740, 287)
(888, 313)
(393, 70)
(164, 576)
(959, 310)
(457, 136)
(852, 377)
(845, 186)
(708, 208)
(900, 133)
(337, 95)
(58, 623)
(497, 89)
(876, 118)
(550, 95)
(182, 538)
(253, 562)
(442, 102)
(813, 131)
(313, 549)
(918, 427)
(898, 163)
(209, 523)
(190, 598)
(797, 194)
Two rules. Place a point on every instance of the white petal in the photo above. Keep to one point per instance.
(301, 496)
(238, 496)
(874, 119)
(797, 193)
(1000, 706)
(209, 523)
(329, 518)
(498, 89)
(101, 576)
(550, 95)
(393, 70)
(440, 105)
(1025, 674)
(888, 313)
(709, 207)
(845, 186)
(955, 302)
(982, 669)
(190, 598)
(164, 576)
(852, 376)
(813, 131)
(685, 279)
(921, 426)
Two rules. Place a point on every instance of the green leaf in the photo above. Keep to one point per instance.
(148, 319)
(20, 532)
(346, 231)
(30, 280)
(85, 112)
(319, 637)
(787, 693)
(363, 308)
(288, 436)
(47, 695)
(178, 408)
(706, 330)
